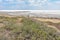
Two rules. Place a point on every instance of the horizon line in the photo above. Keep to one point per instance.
(32, 10)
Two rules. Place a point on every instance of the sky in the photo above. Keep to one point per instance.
(29, 4)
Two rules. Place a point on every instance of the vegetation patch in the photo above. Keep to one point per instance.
(26, 29)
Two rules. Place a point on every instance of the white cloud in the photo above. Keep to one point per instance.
(19, 0)
(37, 2)
(14, 1)
(10, 0)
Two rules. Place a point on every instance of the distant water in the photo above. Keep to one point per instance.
(37, 13)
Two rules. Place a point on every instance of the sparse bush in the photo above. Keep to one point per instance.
(27, 30)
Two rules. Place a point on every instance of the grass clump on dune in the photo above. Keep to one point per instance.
(27, 29)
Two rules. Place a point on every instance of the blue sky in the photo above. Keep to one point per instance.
(29, 4)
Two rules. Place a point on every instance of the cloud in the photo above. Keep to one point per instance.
(13, 5)
(9, 0)
(55, 5)
(30, 4)
(24, 4)
(37, 2)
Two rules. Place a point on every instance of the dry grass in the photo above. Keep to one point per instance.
(1, 25)
(50, 20)
(54, 23)
(17, 28)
